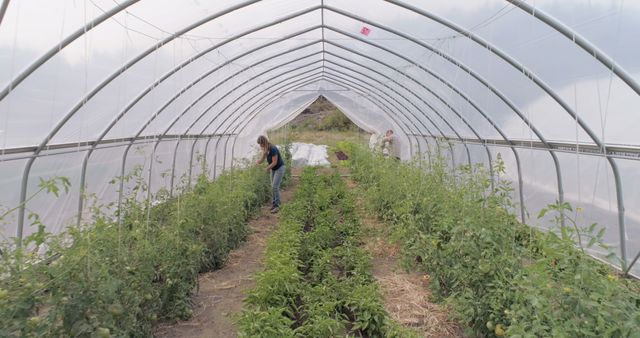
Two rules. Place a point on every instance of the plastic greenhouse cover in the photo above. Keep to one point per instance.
(144, 78)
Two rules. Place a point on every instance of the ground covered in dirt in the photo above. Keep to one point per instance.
(221, 293)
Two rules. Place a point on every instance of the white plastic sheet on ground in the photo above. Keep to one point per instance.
(306, 154)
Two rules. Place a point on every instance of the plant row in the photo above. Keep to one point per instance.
(113, 278)
(503, 278)
(317, 280)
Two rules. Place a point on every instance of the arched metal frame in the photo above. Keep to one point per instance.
(549, 91)
(184, 90)
(223, 122)
(247, 118)
(580, 41)
(3, 9)
(385, 106)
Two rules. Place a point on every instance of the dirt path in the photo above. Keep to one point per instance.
(221, 292)
(406, 295)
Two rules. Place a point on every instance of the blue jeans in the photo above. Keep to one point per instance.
(276, 179)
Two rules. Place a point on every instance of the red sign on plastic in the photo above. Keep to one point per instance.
(365, 31)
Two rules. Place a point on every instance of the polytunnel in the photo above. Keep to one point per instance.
(91, 89)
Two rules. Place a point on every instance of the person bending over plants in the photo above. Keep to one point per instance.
(275, 166)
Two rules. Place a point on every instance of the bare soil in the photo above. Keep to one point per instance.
(221, 293)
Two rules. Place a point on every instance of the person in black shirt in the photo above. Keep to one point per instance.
(276, 166)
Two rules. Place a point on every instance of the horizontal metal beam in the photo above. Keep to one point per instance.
(77, 145)
(623, 152)
(3, 9)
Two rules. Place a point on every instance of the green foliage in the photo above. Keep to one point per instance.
(502, 277)
(316, 276)
(287, 157)
(113, 278)
(336, 121)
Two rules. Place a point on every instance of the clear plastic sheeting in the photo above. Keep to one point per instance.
(165, 91)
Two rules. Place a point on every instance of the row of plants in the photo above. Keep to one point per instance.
(111, 278)
(317, 280)
(502, 278)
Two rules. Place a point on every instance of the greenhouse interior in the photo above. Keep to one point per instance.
(505, 202)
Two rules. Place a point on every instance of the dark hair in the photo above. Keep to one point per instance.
(263, 141)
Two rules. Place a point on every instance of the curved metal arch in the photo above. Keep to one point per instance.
(112, 77)
(431, 73)
(233, 90)
(57, 48)
(579, 40)
(238, 72)
(167, 103)
(247, 118)
(122, 170)
(3, 10)
(379, 104)
(209, 124)
(224, 109)
(423, 101)
(338, 81)
(547, 89)
(414, 94)
(393, 99)
(455, 90)
(266, 104)
(478, 78)
(409, 121)
(346, 83)
(491, 48)
(339, 71)
(203, 76)
(193, 104)
(307, 79)
(611, 160)
(352, 85)
(230, 115)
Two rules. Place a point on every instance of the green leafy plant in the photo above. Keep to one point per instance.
(118, 278)
(500, 276)
(316, 275)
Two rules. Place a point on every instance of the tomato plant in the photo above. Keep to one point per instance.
(109, 278)
(503, 278)
(317, 277)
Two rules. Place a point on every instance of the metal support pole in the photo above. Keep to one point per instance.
(473, 104)
(173, 165)
(58, 47)
(547, 89)
(90, 95)
(246, 121)
(405, 88)
(3, 10)
(579, 40)
(191, 161)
